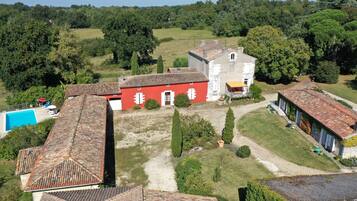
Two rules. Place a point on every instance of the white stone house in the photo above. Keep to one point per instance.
(230, 71)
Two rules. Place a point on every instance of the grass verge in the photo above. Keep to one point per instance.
(269, 130)
(346, 87)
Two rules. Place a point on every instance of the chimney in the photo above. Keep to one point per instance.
(240, 49)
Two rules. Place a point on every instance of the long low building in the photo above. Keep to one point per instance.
(73, 154)
(330, 123)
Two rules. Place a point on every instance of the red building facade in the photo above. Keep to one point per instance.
(163, 88)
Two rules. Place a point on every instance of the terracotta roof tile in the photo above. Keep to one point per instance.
(100, 89)
(26, 159)
(330, 113)
(73, 153)
(153, 195)
(162, 79)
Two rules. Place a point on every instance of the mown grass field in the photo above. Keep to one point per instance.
(270, 131)
(345, 88)
(88, 33)
(236, 172)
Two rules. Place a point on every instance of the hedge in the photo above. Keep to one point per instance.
(151, 104)
(182, 100)
(259, 192)
(24, 137)
(350, 162)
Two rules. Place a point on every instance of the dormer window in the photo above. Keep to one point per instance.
(232, 57)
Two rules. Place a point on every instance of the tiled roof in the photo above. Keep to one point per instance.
(121, 194)
(73, 153)
(330, 113)
(316, 188)
(162, 79)
(100, 89)
(26, 159)
(211, 50)
(182, 70)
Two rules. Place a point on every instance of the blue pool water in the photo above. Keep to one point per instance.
(20, 118)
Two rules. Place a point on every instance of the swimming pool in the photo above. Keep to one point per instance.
(20, 118)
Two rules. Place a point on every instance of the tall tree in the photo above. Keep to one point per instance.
(227, 134)
(129, 32)
(278, 59)
(176, 136)
(24, 48)
(134, 64)
(160, 65)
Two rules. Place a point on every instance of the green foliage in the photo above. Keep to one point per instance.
(331, 14)
(30, 96)
(180, 62)
(197, 131)
(160, 65)
(350, 142)
(94, 47)
(167, 39)
(24, 49)
(349, 162)
(279, 59)
(189, 178)
(151, 104)
(10, 190)
(243, 151)
(7, 170)
(182, 100)
(255, 91)
(228, 134)
(327, 72)
(224, 26)
(134, 64)
(142, 70)
(217, 176)
(24, 137)
(26, 196)
(351, 26)
(129, 32)
(259, 192)
(344, 103)
(136, 107)
(176, 135)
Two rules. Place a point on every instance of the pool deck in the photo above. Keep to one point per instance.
(41, 115)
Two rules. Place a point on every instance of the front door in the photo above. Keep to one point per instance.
(167, 98)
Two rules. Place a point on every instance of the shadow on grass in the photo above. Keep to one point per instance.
(352, 84)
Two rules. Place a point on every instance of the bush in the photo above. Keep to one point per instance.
(30, 96)
(136, 107)
(182, 100)
(255, 91)
(184, 168)
(195, 184)
(197, 131)
(243, 151)
(180, 62)
(160, 65)
(143, 70)
(227, 134)
(24, 137)
(350, 162)
(151, 104)
(327, 72)
(217, 174)
(176, 135)
(94, 47)
(259, 192)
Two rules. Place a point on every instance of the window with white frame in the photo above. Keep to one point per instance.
(139, 98)
(232, 57)
(191, 93)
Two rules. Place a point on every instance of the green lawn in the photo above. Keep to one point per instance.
(235, 171)
(269, 130)
(345, 88)
(88, 33)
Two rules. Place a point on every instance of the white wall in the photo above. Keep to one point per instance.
(349, 152)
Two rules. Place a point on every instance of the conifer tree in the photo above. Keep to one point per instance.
(176, 138)
(160, 65)
(227, 134)
(134, 64)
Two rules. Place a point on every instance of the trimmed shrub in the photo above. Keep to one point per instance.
(217, 174)
(160, 65)
(182, 100)
(227, 134)
(259, 192)
(197, 131)
(176, 135)
(327, 72)
(243, 151)
(151, 104)
(180, 62)
(134, 65)
(195, 184)
(350, 162)
(136, 107)
(24, 137)
(255, 91)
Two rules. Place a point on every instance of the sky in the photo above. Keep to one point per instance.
(99, 3)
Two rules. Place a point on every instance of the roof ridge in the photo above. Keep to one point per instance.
(82, 166)
(332, 105)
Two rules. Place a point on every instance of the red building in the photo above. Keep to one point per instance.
(163, 88)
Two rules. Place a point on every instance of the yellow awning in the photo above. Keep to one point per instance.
(235, 84)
